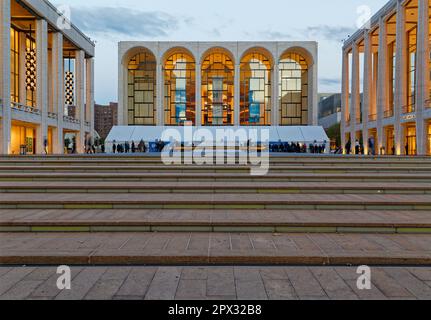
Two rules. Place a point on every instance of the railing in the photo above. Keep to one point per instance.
(372, 117)
(52, 115)
(389, 113)
(408, 109)
(71, 120)
(23, 108)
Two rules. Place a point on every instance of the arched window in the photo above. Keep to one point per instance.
(255, 97)
(180, 91)
(293, 90)
(217, 89)
(142, 89)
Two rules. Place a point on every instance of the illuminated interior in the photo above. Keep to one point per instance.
(179, 89)
(410, 139)
(217, 89)
(22, 135)
(372, 113)
(390, 140)
(293, 90)
(14, 67)
(255, 90)
(391, 26)
(411, 29)
(429, 138)
(142, 89)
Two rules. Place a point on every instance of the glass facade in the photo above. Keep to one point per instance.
(179, 89)
(14, 65)
(293, 88)
(218, 74)
(142, 89)
(31, 71)
(255, 91)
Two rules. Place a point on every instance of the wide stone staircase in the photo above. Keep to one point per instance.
(321, 210)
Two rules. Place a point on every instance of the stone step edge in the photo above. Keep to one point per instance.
(222, 228)
(216, 260)
(173, 206)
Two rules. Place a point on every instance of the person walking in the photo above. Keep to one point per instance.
(114, 147)
(357, 148)
(348, 147)
(133, 147)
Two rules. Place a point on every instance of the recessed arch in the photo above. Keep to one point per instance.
(175, 50)
(141, 66)
(217, 87)
(214, 50)
(179, 76)
(294, 66)
(255, 87)
(259, 50)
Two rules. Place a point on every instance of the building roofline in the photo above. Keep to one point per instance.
(46, 10)
(382, 13)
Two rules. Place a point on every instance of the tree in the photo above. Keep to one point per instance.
(334, 133)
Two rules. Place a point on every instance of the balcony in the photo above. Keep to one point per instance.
(72, 120)
(22, 108)
(372, 117)
(52, 115)
(389, 113)
(408, 109)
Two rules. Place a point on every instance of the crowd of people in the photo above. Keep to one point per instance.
(141, 147)
(295, 147)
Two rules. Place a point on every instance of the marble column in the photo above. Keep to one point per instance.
(422, 75)
(382, 85)
(237, 98)
(58, 90)
(400, 76)
(198, 97)
(275, 110)
(160, 113)
(368, 67)
(80, 99)
(5, 22)
(42, 83)
(89, 87)
(344, 97)
(355, 101)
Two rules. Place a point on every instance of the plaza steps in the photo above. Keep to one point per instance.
(208, 187)
(135, 210)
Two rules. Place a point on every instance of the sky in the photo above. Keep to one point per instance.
(109, 21)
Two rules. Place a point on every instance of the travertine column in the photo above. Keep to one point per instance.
(42, 82)
(58, 90)
(422, 74)
(355, 101)
(344, 97)
(237, 98)
(89, 116)
(382, 84)
(400, 76)
(160, 113)
(198, 97)
(313, 112)
(367, 87)
(275, 110)
(80, 99)
(5, 76)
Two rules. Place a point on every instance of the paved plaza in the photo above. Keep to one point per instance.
(215, 283)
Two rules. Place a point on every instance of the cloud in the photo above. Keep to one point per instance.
(123, 21)
(331, 33)
(317, 33)
(330, 81)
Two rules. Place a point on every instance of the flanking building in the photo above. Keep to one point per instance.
(388, 62)
(46, 82)
(217, 84)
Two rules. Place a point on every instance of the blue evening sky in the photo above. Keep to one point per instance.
(110, 21)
